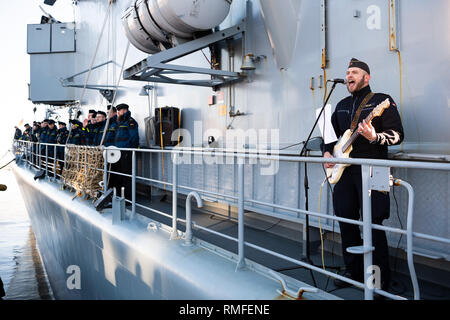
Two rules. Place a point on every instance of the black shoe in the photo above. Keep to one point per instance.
(39, 175)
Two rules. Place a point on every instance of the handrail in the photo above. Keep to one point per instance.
(243, 154)
(409, 236)
(240, 200)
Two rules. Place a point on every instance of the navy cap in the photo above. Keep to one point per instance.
(122, 106)
(51, 121)
(63, 123)
(74, 121)
(45, 120)
(109, 107)
(355, 63)
(102, 113)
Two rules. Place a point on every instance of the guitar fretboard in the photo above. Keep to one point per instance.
(355, 134)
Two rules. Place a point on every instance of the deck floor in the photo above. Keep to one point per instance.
(400, 285)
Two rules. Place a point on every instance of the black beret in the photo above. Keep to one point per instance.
(26, 124)
(122, 106)
(355, 63)
(75, 121)
(63, 123)
(51, 121)
(102, 113)
(45, 120)
(92, 111)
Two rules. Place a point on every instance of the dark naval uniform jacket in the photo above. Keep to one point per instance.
(110, 134)
(76, 137)
(51, 138)
(388, 126)
(61, 138)
(127, 132)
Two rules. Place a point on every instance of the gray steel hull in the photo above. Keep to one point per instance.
(127, 261)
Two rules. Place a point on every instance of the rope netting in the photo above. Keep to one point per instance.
(83, 169)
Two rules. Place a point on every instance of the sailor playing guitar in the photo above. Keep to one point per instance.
(367, 123)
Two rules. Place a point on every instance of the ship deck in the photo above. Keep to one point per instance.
(256, 232)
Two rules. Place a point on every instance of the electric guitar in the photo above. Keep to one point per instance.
(343, 147)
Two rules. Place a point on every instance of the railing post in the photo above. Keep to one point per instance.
(174, 234)
(409, 236)
(54, 163)
(367, 230)
(65, 158)
(118, 206)
(105, 171)
(46, 160)
(32, 154)
(40, 155)
(133, 185)
(241, 255)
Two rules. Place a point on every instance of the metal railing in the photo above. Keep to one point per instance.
(24, 147)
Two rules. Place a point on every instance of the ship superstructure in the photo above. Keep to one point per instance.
(247, 84)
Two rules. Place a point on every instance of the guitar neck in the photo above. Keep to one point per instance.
(355, 134)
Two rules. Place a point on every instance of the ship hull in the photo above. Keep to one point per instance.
(127, 261)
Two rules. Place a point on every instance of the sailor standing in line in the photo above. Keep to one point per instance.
(61, 137)
(17, 133)
(88, 127)
(100, 121)
(26, 136)
(373, 143)
(127, 136)
(43, 136)
(110, 136)
(76, 135)
(35, 139)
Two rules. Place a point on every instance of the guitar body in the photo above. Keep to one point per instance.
(343, 147)
(335, 173)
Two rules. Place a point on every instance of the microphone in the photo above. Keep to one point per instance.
(337, 80)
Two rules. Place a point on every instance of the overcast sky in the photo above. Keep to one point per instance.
(15, 62)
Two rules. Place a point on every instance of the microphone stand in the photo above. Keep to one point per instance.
(304, 152)
(317, 120)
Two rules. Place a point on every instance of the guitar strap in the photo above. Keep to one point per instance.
(358, 112)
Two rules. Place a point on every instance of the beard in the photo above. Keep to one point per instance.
(357, 86)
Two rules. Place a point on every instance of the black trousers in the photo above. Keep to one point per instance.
(124, 165)
(347, 202)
